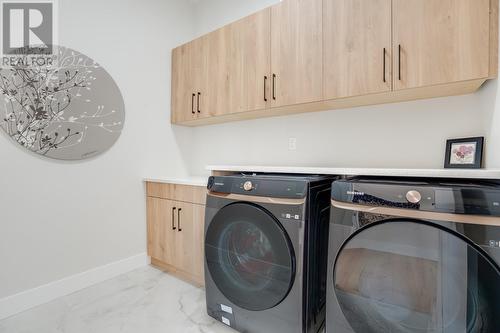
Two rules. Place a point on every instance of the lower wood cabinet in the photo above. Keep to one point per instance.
(176, 233)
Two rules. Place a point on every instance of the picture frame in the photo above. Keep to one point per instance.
(466, 153)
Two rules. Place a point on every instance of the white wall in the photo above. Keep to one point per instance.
(59, 219)
(210, 15)
(406, 135)
(410, 134)
(490, 106)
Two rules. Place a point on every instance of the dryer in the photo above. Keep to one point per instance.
(266, 242)
(410, 256)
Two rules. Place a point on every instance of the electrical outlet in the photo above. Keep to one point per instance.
(292, 144)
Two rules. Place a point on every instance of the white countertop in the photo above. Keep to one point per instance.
(425, 173)
(190, 180)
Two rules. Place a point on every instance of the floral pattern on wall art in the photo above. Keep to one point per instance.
(70, 110)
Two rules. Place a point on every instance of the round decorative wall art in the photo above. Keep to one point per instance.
(67, 109)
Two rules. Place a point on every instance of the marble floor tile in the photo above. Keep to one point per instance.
(143, 301)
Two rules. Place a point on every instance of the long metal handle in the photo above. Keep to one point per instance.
(399, 61)
(384, 66)
(179, 219)
(274, 86)
(192, 103)
(265, 90)
(173, 218)
(198, 101)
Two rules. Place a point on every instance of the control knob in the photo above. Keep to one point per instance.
(248, 186)
(414, 197)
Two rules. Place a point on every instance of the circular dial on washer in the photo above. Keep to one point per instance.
(248, 186)
(414, 197)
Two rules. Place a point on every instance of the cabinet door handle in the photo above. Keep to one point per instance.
(192, 103)
(179, 219)
(198, 102)
(173, 218)
(399, 61)
(265, 90)
(384, 66)
(274, 86)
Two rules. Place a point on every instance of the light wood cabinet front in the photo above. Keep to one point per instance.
(183, 77)
(238, 62)
(189, 80)
(357, 47)
(297, 52)
(440, 41)
(190, 240)
(177, 192)
(202, 79)
(161, 230)
(255, 36)
(176, 233)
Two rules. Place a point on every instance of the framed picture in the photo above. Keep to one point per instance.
(464, 153)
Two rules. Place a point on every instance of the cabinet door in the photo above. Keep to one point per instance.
(255, 37)
(161, 230)
(251, 63)
(183, 81)
(440, 41)
(238, 62)
(297, 52)
(190, 240)
(357, 47)
(215, 88)
(201, 79)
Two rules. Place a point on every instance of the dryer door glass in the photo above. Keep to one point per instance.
(409, 277)
(249, 256)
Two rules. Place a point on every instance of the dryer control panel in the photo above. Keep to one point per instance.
(459, 198)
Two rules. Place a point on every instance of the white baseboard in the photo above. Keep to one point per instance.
(28, 299)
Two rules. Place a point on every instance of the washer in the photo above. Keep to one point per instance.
(262, 234)
(414, 256)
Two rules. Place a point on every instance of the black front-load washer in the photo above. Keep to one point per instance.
(414, 256)
(266, 251)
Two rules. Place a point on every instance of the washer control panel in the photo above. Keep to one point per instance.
(276, 188)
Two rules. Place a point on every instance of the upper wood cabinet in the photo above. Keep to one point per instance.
(311, 55)
(189, 80)
(238, 63)
(440, 41)
(297, 52)
(255, 36)
(357, 47)
(182, 84)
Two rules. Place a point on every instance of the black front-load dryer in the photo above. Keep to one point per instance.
(266, 249)
(413, 257)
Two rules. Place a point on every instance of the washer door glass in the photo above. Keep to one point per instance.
(249, 256)
(405, 276)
